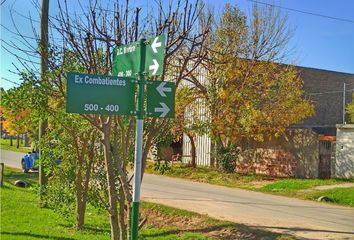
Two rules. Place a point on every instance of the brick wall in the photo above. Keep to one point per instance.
(295, 154)
(271, 162)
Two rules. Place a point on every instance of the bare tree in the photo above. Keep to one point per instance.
(87, 38)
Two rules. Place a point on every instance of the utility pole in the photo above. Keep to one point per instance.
(44, 70)
(344, 102)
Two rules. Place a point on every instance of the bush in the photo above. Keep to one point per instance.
(226, 158)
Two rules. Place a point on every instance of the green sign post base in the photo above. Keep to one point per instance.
(135, 221)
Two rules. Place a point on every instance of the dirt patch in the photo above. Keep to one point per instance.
(261, 183)
(160, 220)
(326, 187)
(204, 225)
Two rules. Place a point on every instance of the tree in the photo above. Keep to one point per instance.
(17, 115)
(76, 143)
(248, 92)
(251, 87)
(91, 37)
(190, 119)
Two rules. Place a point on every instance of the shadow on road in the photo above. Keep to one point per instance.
(227, 231)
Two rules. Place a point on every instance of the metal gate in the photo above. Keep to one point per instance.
(324, 167)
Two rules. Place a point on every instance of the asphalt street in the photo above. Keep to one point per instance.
(306, 219)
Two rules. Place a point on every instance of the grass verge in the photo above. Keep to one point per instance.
(341, 196)
(5, 145)
(212, 176)
(299, 188)
(22, 218)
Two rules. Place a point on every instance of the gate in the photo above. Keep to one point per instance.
(324, 167)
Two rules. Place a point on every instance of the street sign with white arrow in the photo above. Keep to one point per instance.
(126, 58)
(155, 50)
(161, 99)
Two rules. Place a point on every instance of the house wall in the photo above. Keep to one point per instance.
(344, 164)
(325, 89)
(203, 149)
(295, 154)
(300, 144)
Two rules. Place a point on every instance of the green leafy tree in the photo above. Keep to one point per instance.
(17, 112)
(190, 118)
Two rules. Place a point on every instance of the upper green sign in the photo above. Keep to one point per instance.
(100, 94)
(161, 99)
(126, 58)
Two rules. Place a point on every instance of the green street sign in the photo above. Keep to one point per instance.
(161, 99)
(100, 94)
(155, 53)
(126, 58)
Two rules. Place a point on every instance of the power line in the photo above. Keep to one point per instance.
(329, 92)
(305, 12)
(8, 80)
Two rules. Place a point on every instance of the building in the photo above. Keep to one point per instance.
(307, 148)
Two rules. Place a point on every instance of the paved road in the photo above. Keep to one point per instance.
(12, 159)
(307, 219)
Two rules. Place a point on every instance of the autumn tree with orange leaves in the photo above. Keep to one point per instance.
(257, 97)
(16, 113)
(248, 92)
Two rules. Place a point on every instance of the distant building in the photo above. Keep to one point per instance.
(325, 88)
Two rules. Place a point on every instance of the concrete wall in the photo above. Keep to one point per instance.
(344, 164)
(325, 89)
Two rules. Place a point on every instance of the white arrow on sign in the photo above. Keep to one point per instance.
(164, 109)
(162, 89)
(154, 67)
(155, 45)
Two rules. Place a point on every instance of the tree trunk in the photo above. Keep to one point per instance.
(81, 205)
(80, 211)
(11, 141)
(17, 141)
(122, 206)
(194, 153)
(112, 193)
(26, 141)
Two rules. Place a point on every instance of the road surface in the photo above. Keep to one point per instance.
(11, 159)
(306, 219)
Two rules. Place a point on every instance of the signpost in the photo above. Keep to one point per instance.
(100, 94)
(126, 58)
(160, 99)
(115, 95)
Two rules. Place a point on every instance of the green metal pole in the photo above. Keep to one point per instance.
(138, 145)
